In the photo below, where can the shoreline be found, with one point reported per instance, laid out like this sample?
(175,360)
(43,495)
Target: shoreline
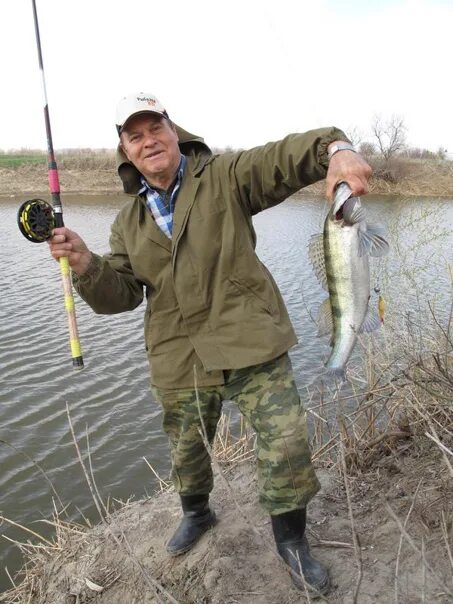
(124,559)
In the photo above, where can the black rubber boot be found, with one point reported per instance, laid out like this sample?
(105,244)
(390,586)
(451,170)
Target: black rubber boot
(198,518)
(292,545)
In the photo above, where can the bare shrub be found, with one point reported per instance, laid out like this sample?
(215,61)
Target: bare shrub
(367,149)
(418,153)
(391,170)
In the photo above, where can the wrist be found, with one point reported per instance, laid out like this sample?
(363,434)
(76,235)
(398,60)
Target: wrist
(85,266)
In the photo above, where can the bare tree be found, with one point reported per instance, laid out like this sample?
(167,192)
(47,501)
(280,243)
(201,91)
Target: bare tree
(390,135)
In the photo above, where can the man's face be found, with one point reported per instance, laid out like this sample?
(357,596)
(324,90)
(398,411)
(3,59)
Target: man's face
(150,142)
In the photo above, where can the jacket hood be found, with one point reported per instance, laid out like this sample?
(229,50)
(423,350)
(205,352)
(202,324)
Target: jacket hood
(189,144)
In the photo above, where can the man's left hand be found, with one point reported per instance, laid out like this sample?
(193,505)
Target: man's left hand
(350,167)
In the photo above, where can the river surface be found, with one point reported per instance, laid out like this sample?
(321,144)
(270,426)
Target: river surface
(110,399)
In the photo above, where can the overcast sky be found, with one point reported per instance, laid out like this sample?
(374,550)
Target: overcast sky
(236,72)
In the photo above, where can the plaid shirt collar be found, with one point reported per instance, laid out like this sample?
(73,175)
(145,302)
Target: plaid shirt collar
(162,203)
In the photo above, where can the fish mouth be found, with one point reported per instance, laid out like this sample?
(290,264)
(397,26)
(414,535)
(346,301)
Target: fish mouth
(339,215)
(342,194)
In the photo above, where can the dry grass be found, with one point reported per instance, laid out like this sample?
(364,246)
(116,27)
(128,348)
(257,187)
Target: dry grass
(396,428)
(87,159)
(415,177)
(229,448)
(412,412)
(398,412)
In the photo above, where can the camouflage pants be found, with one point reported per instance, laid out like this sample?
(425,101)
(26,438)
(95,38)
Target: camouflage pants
(267,396)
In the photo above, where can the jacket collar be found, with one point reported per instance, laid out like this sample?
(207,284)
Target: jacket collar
(189,144)
(185,201)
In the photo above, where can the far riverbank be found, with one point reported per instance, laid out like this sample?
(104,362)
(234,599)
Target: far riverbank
(87,175)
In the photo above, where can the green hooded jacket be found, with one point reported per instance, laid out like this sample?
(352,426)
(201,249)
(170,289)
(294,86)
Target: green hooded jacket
(211,304)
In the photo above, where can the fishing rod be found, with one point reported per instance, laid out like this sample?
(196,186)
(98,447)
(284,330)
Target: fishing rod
(37,218)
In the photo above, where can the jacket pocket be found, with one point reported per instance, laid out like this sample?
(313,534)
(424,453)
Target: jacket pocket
(246,290)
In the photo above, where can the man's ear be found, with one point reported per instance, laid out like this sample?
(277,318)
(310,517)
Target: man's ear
(173,127)
(123,149)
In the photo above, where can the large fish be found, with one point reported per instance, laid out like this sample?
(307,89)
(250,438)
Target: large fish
(340,258)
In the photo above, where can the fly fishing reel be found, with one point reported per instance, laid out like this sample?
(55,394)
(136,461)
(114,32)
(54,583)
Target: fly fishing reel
(36,220)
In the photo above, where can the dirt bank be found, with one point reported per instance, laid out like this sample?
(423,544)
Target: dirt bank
(427,180)
(32,179)
(236,562)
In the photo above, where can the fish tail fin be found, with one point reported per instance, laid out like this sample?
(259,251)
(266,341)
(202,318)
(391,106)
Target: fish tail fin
(336,373)
(372,241)
(335,370)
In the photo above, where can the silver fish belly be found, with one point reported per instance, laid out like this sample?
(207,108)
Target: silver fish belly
(348,280)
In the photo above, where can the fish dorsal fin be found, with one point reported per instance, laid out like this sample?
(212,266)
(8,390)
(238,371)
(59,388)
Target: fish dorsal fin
(372,241)
(316,257)
(353,211)
(325,319)
(371,322)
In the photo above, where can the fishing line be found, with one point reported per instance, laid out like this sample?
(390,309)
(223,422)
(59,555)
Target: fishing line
(37,218)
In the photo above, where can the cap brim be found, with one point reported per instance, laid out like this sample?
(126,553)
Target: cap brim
(159,113)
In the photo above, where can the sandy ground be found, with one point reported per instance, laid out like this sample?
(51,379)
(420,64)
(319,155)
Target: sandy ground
(235,562)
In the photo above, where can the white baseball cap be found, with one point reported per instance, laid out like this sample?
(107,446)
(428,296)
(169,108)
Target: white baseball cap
(135,103)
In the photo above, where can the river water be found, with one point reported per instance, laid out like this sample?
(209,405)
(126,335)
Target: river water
(110,399)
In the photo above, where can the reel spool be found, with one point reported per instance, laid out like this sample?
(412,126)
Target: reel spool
(36,220)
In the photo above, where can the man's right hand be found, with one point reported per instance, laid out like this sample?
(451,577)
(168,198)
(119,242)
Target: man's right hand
(65,242)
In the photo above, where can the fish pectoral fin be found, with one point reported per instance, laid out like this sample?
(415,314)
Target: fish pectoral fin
(372,241)
(371,322)
(316,257)
(325,319)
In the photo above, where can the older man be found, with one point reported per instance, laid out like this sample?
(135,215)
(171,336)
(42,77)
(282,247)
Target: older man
(214,314)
